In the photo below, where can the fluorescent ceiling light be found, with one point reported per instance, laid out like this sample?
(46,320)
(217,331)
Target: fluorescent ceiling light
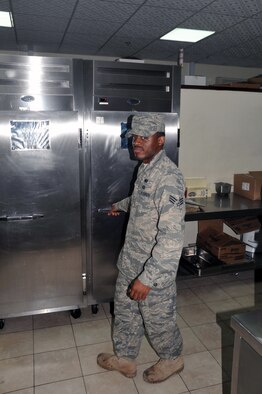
(6,19)
(187,35)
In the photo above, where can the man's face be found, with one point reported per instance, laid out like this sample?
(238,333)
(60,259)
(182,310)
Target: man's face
(145,148)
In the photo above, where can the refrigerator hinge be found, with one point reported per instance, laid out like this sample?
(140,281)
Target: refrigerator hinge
(80,141)
(178,138)
(84,282)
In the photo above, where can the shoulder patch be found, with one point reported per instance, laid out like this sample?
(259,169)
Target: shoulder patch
(175,201)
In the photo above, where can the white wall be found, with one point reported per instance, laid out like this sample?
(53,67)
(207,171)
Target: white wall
(221,134)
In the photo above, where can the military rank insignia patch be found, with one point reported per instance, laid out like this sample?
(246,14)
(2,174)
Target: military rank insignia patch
(175,201)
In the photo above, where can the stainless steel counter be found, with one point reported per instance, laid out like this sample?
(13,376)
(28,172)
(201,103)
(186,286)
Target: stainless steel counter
(247,358)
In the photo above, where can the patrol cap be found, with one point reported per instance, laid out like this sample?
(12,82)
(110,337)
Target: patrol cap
(146,125)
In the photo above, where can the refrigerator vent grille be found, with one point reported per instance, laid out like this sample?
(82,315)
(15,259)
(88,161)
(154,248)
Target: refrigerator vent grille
(130,71)
(151,85)
(159,88)
(35,75)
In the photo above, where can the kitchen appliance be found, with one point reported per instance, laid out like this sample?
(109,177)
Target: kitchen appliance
(40,212)
(115,92)
(64,159)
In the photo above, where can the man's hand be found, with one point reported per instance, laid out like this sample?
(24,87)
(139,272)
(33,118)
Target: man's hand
(114,211)
(137,291)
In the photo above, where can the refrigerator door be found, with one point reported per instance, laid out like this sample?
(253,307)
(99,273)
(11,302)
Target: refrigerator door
(113,172)
(40,239)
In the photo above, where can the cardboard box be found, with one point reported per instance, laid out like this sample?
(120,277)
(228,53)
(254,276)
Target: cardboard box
(226,248)
(256,79)
(247,228)
(240,85)
(256,174)
(243,225)
(248,185)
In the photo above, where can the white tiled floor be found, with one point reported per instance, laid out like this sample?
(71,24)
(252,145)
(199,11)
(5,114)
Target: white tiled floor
(56,354)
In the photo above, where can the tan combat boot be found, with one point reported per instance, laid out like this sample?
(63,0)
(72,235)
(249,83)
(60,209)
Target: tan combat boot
(163,369)
(113,363)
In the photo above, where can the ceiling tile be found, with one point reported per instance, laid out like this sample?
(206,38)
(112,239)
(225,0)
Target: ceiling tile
(161,50)
(244,8)
(144,22)
(104,10)
(125,1)
(8,39)
(117,51)
(81,26)
(122,46)
(4,5)
(214,22)
(178,4)
(63,8)
(44,23)
(82,43)
(35,36)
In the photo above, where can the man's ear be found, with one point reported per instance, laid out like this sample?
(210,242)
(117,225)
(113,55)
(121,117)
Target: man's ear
(161,141)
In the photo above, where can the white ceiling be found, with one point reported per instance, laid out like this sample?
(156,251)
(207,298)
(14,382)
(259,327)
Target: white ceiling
(132,28)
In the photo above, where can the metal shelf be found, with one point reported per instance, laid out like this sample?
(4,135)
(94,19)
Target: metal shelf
(215,207)
(233,206)
(206,264)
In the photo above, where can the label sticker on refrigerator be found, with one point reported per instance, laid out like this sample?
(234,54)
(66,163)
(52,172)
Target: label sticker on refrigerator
(30,134)
(100,120)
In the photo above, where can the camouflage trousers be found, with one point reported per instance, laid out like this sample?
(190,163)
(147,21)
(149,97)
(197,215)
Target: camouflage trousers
(155,317)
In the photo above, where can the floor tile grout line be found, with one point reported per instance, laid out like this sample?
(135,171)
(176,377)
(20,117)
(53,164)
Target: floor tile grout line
(203,301)
(226,300)
(135,386)
(78,356)
(222,369)
(181,377)
(33,333)
(199,341)
(57,381)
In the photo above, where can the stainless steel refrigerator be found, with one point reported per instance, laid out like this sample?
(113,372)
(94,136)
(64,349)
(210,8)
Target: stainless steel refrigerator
(112,174)
(64,159)
(40,230)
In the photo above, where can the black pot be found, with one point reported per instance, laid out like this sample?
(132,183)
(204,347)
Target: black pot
(223,189)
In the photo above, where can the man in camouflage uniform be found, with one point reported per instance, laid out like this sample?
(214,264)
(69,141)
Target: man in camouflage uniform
(145,297)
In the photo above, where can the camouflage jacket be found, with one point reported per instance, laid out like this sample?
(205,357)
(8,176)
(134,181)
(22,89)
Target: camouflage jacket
(154,236)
